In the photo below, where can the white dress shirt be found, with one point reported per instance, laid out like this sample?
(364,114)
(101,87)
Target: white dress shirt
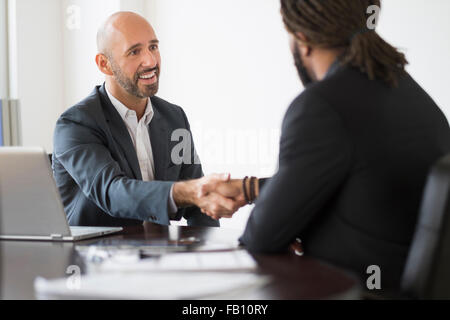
(139,134)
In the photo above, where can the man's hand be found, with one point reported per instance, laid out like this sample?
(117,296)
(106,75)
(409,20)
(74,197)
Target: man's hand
(231,189)
(228,188)
(201,192)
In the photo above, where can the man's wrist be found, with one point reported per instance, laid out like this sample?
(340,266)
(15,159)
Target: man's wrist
(172,208)
(250,188)
(185,193)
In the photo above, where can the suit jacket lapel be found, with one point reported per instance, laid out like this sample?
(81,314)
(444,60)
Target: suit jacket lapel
(159,138)
(120,133)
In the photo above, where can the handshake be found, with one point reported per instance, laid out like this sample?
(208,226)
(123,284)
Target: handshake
(216,195)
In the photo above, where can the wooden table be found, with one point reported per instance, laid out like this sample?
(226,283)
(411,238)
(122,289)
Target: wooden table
(293,277)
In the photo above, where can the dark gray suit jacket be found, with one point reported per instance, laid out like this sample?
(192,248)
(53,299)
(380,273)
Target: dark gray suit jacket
(97,171)
(354,156)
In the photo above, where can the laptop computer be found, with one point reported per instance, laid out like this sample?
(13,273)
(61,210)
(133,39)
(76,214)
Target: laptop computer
(30,204)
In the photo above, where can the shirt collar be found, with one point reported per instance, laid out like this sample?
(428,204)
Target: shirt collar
(335,66)
(124,111)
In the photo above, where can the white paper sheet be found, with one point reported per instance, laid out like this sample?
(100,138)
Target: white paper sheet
(153,285)
(236,260)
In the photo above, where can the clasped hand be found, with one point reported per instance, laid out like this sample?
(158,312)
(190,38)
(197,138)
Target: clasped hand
(220,196)
(216,195)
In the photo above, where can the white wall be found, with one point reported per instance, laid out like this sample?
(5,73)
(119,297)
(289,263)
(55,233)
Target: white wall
(4,78)
(421,28)
(227,63)
(52,59)
(36,65)
(81,19)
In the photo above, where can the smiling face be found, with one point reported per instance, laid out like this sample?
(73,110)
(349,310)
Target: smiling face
(130,50)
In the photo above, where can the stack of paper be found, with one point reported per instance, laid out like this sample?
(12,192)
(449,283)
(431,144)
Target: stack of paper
(237,260)
(193,275)
(153,285)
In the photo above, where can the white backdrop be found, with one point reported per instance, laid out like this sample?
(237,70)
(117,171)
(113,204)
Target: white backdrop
(226,62)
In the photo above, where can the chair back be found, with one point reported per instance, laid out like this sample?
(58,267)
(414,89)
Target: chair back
(427,269)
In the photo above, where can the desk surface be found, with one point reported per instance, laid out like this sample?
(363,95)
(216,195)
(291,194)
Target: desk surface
(293,277)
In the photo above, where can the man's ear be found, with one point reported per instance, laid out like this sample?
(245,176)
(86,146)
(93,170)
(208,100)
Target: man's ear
(302,43)
(103,64)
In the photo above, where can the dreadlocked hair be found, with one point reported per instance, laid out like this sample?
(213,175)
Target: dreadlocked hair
(342,24)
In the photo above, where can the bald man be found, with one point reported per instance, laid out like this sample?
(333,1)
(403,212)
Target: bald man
(113,160)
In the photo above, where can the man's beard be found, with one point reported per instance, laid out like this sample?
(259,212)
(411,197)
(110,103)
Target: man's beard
(301,69)
(131,85)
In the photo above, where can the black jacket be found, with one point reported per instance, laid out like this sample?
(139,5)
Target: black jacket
(354,156)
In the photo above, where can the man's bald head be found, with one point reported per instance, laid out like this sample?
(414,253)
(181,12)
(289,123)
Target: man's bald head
(116,26)
(128,54)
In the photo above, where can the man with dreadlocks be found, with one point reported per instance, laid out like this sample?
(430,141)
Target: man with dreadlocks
(355,149)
